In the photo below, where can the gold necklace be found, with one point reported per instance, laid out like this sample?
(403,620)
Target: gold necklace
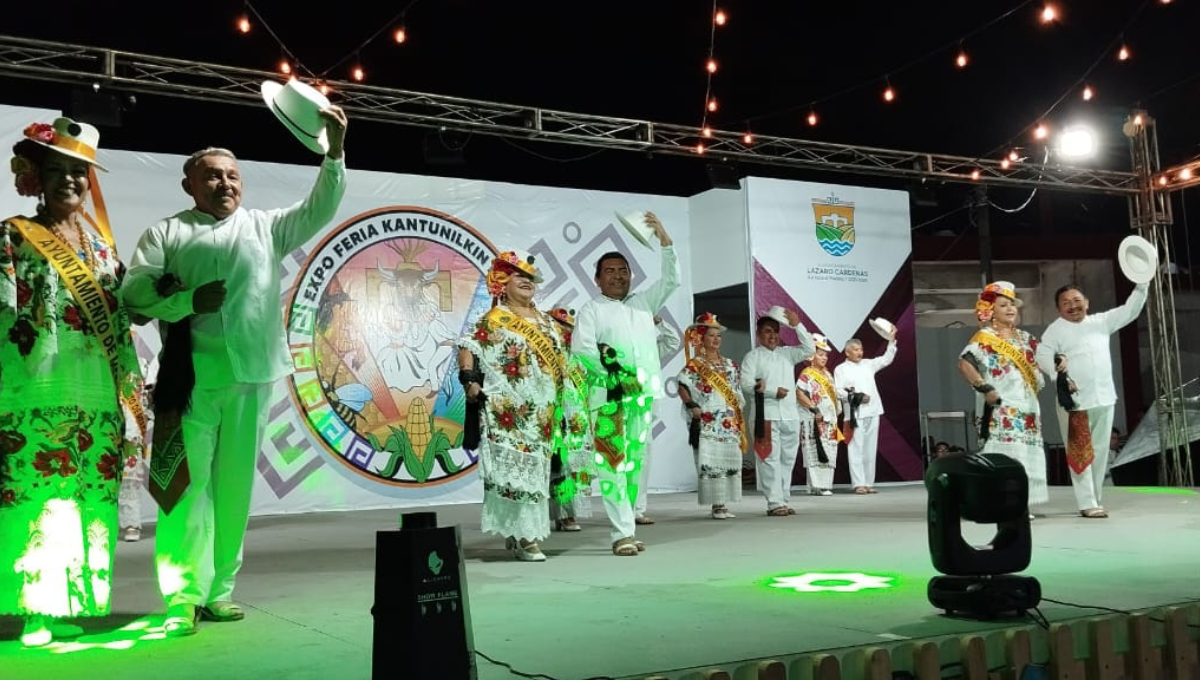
(85,244)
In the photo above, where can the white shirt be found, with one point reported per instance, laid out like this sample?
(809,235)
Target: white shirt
(861,376)
(243,342)
(1089,354)
(628,327)
(776,368)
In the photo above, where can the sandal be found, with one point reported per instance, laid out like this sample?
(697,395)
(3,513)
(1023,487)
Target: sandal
(861,491)
(567,525)
(221,612)
(781,511)
(181,620)
(626,547)
(1094,513)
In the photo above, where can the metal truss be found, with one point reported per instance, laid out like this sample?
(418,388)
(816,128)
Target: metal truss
(1150,215)
(130,72)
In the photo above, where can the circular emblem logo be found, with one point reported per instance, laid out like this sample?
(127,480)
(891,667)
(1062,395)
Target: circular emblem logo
(373,326)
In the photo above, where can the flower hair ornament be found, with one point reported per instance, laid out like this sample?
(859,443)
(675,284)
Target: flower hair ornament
(695,333)
(505,265)
(985,306)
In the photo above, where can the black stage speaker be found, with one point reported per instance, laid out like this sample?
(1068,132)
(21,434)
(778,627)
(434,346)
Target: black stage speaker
(987,488)
(422,618)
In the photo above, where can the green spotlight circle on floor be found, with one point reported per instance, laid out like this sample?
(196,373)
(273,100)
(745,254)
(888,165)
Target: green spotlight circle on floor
(837,582)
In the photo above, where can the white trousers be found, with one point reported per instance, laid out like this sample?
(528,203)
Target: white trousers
(1090,484)
(198,546)
(129,498)
(862,450)
(643,495)
(775,472)
(620,489)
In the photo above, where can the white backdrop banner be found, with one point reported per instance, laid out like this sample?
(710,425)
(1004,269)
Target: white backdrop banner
(841,255)
(373,415)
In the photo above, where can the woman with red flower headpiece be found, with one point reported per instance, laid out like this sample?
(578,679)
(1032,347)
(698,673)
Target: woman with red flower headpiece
(999,365)
(512,366)
(67,362)
(712,404)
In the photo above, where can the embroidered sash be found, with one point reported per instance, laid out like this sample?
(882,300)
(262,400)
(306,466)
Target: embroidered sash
(830,393)
(541,345)
(1016,356)
(93,304)
(718,382)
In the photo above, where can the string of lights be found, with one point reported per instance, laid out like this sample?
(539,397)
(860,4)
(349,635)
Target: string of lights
(290,64)
(718,18)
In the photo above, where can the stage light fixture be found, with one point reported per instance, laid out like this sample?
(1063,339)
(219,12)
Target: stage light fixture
(1076,142)
(422,617)
(981,582)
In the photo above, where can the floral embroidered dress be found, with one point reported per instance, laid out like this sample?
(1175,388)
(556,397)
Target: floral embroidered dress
(820,474)
(571,485)
(61,436)
(523,420)
(719,455)
(1015,428)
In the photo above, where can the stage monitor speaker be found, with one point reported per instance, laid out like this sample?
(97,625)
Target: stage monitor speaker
(422,617)
(987,488)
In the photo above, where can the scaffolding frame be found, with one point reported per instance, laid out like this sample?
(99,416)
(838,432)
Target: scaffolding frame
(1149,202)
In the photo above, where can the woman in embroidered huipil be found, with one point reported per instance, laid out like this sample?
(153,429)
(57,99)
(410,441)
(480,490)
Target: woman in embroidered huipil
(515,358)
(61,421)
(712,403)
(999,365)
(819,406)
(574,465)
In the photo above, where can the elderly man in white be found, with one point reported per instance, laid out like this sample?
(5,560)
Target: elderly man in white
(181,270)
(857,375)
(771,370)
(625,322)
(1078,343)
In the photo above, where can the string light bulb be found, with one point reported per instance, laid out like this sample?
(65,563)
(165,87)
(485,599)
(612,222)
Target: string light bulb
(961,59)
(812,118)
(720,17)
(712,104)
(1014,156)
(243,24)
(323,88)
(1049,14)
(284,67)
(1123,53)
(889,94)
(1186,173)
(711,66)
(975,174)
(1163,180)
(1005,163)
(706,132)
(358,74)
(1041,131)
(748,139)
(700,148)
(400,36)
(1088,93)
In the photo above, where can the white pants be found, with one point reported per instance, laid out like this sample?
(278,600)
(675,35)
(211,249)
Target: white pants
(129,498)
(198,546)
(775,472)
(861,452)
(1090,484)
(643,495)
(621,489)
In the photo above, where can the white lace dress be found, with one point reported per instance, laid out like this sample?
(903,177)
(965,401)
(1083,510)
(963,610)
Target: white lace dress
(522,424)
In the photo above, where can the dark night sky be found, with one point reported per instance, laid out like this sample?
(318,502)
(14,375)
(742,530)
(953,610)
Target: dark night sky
(645,59)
